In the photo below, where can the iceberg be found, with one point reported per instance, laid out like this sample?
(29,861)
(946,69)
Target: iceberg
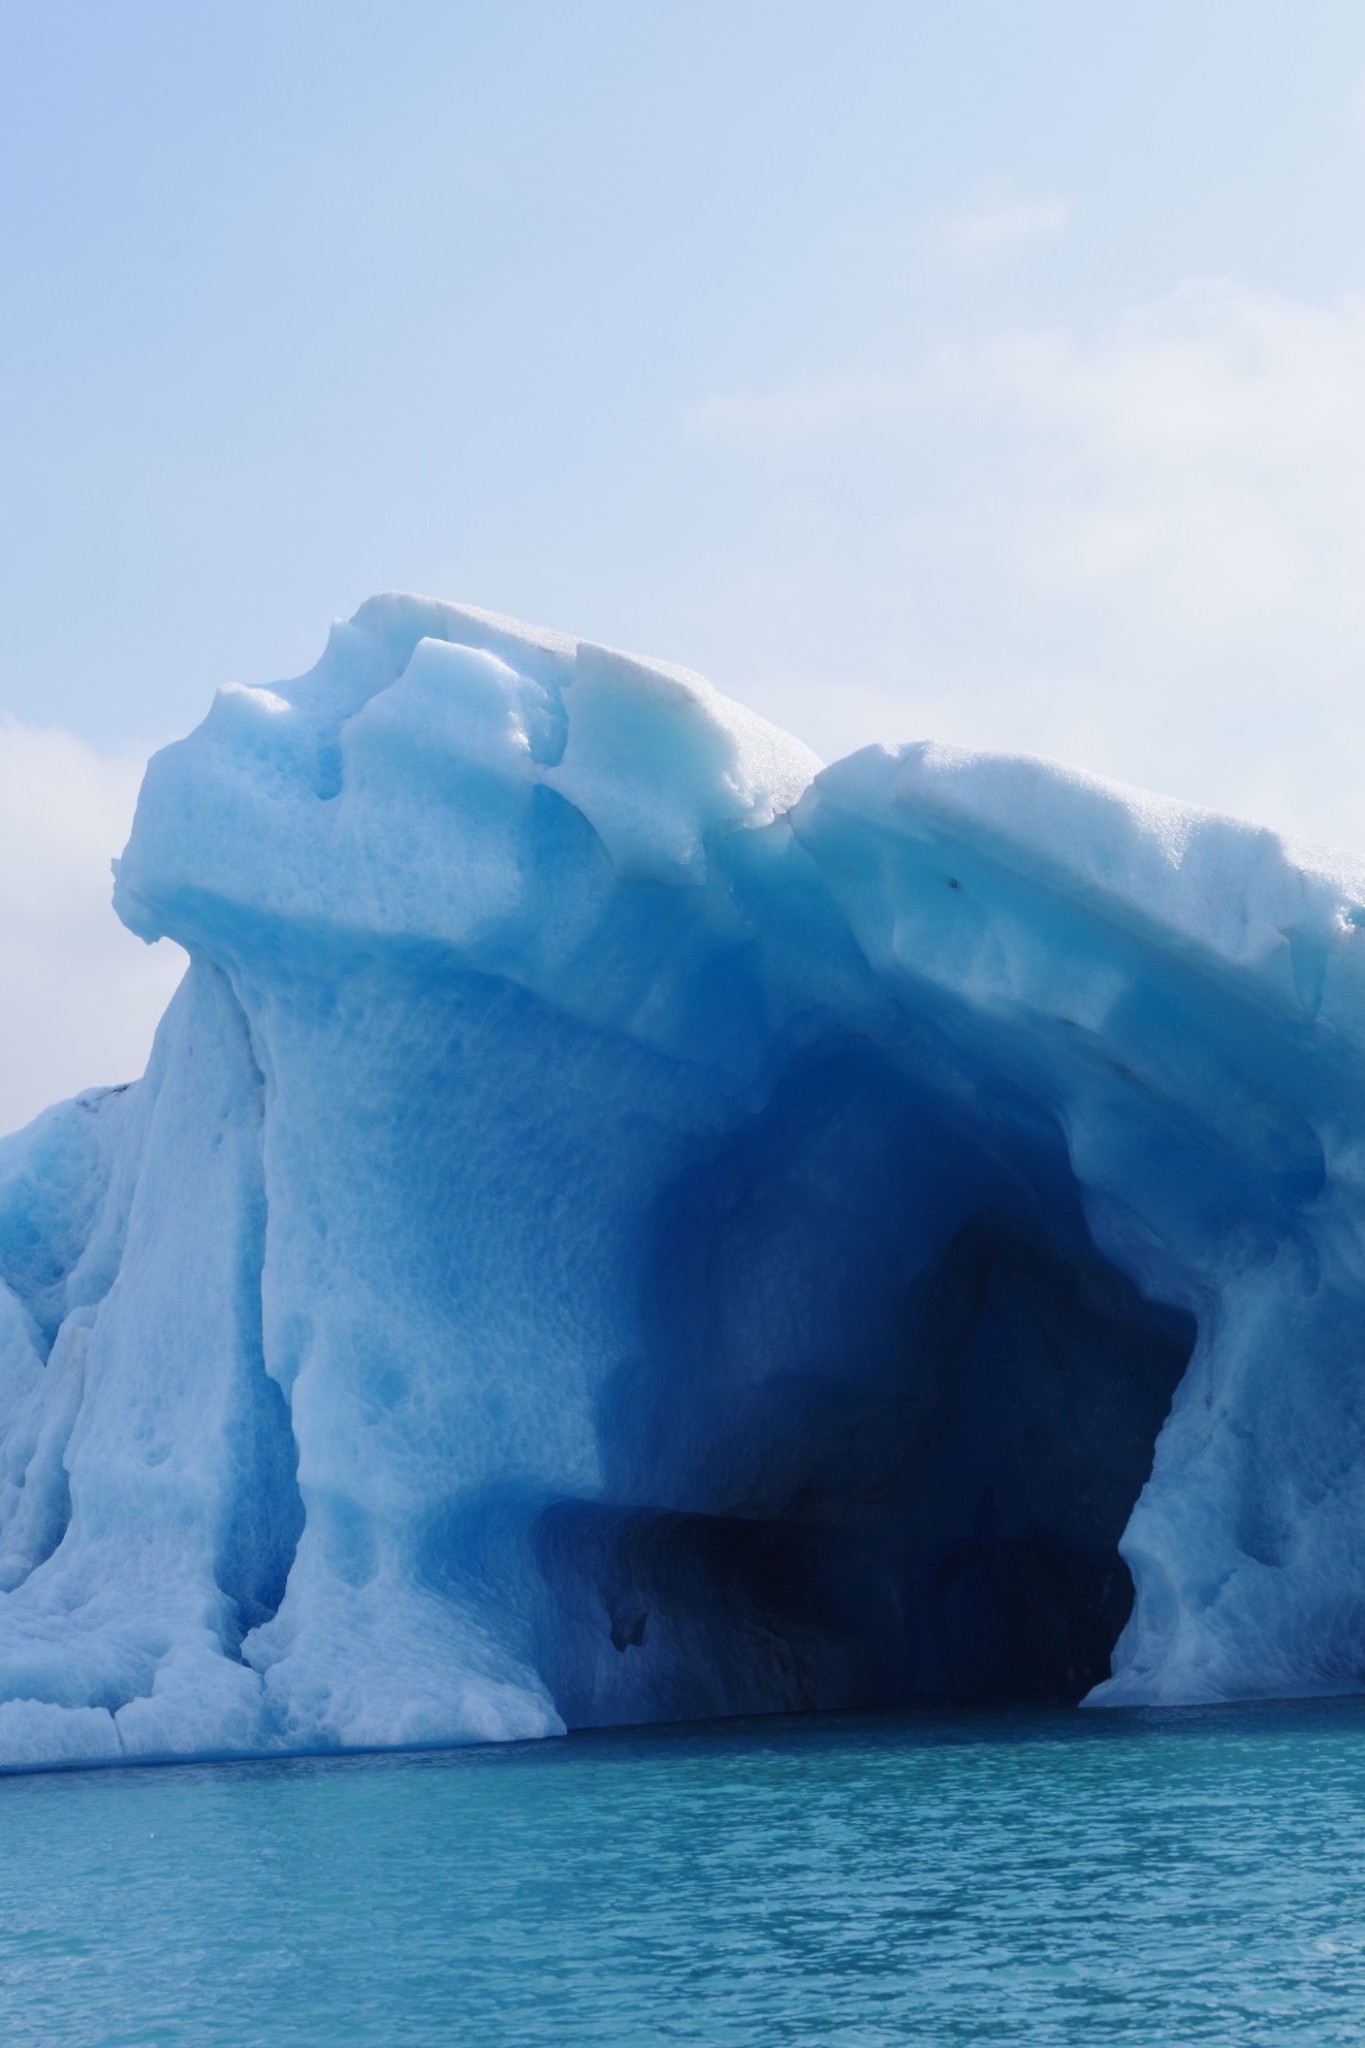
(621,1224)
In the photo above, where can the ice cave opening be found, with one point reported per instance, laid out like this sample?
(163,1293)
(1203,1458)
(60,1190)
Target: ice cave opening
(892,1418)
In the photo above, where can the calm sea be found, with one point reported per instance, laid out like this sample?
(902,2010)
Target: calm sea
(1019,1878)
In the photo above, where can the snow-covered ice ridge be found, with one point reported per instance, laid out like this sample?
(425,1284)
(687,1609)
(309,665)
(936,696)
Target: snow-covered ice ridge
(619,1225)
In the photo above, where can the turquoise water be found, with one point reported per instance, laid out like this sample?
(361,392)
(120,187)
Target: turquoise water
(1030,1878)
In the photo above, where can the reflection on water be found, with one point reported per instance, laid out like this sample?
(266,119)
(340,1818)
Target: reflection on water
(925,1878)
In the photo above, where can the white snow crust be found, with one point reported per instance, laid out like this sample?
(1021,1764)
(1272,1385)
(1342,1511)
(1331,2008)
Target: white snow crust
(620,1224)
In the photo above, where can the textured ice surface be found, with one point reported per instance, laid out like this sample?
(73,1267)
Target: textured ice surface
(618,1225)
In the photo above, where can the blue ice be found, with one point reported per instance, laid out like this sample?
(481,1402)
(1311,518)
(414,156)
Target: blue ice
(623,1224)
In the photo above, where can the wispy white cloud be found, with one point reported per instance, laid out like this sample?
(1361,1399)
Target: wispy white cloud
(1140,546)
(1000,223)
(79,996)
(1206,454)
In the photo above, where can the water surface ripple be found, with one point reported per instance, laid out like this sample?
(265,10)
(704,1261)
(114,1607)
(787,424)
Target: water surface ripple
(930,1878)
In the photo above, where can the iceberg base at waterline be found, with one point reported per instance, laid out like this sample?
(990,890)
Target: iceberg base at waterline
(621,1224)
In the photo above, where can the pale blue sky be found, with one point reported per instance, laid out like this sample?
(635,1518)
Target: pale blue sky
(989,371)
(309,300)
